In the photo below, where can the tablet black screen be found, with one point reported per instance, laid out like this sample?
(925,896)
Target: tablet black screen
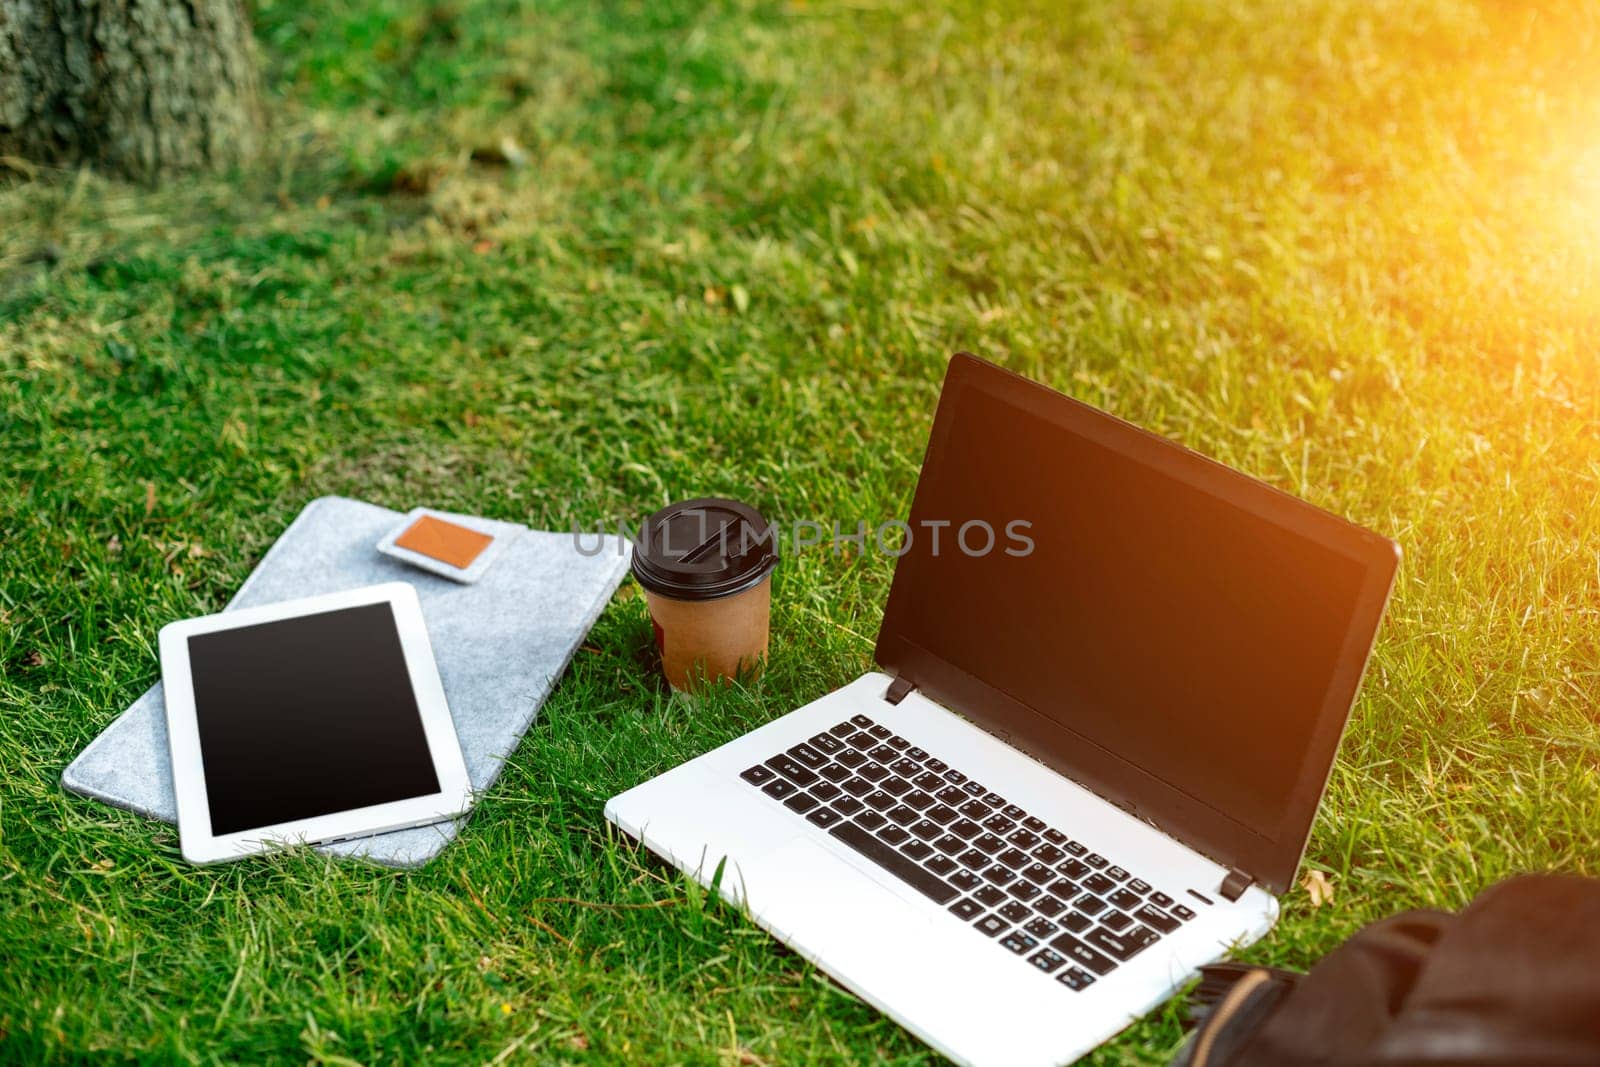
(307,716)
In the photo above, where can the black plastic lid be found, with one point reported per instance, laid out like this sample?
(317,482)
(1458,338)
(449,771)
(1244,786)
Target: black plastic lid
(704,549)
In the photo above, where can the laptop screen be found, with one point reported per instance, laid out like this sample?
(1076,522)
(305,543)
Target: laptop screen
(1130,609)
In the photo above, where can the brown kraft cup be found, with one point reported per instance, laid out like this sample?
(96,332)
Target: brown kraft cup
(706,569)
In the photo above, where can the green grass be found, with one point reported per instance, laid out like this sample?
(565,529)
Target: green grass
(1348,247)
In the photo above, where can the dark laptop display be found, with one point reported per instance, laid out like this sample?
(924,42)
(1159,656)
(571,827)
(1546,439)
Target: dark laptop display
(1179,637)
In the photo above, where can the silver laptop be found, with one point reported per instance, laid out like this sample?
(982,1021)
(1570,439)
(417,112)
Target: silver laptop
(1092,756)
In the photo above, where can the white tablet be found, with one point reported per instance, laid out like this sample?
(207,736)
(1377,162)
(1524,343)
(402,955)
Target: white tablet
(309,721)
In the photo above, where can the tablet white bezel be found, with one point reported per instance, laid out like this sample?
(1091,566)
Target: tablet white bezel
(199,844)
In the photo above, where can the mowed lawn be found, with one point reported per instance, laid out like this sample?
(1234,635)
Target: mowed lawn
(563,262)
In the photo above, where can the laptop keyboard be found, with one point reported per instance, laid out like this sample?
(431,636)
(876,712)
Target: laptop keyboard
(1072,913)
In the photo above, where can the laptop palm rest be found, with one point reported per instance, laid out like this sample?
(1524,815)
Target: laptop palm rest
(803,881)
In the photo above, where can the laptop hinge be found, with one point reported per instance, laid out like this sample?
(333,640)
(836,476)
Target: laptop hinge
(899,689)
(1234,885)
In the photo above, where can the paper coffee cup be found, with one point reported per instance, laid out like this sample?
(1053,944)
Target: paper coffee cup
(706,568)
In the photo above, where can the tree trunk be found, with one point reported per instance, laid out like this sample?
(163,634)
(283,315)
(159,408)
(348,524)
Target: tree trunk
(138,88)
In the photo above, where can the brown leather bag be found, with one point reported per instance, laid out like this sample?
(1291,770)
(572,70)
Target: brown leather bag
(1512,979)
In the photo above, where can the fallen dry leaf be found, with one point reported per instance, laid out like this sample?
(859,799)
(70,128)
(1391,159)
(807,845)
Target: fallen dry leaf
(1318,887)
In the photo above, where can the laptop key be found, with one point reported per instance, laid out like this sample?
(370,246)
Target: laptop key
(837,773)
(994,800)
(1035,825)
(871,820)
(950,844)
(973,789)
(954,777)
(1182,912)
(896,787)
(824,790)
(1074,949)
(780,788)
(894,835)
(939,813)
(905,767)
(1139,886)
(1098,883)
(1153,916)
(966,909)
(1161,900)
(1014,813)
(975,809)
(801,802)
(1075,979)
(883,754)
(1095,860)
(1054,836)
(824,817)
(1123,946)
(1019,942)
(965,881)
(1000,876)
(1015,912)
(1038,874)
(928,783)
(1073,869)
(858,787)
(1076,921)
(808,755)
(760,774)
(989,896)
(851,758)
(937,766)
(916,753)
(990,925)
(1065,888)
(917,850)
(951,795)
(1024,839)
(862,721)
(908,871)
(1117,921)
(1091,905)
(872,772)
(848,805)
(966,828)
(1124,899)
(882,733)
(989,843)
(844,729)
(898,743)
(1016,859)
(878,800)
(940,865)
(826,743)
(998,824)
(975,859)
(1077,848)
(1047,960)
(1116,874)
(926,830)
(862,741)
(1041,928)
(1049,906)
(1024,890)
(792,769)
(903,816)
(1048,854)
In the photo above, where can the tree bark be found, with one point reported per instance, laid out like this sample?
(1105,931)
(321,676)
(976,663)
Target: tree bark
(138,88)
